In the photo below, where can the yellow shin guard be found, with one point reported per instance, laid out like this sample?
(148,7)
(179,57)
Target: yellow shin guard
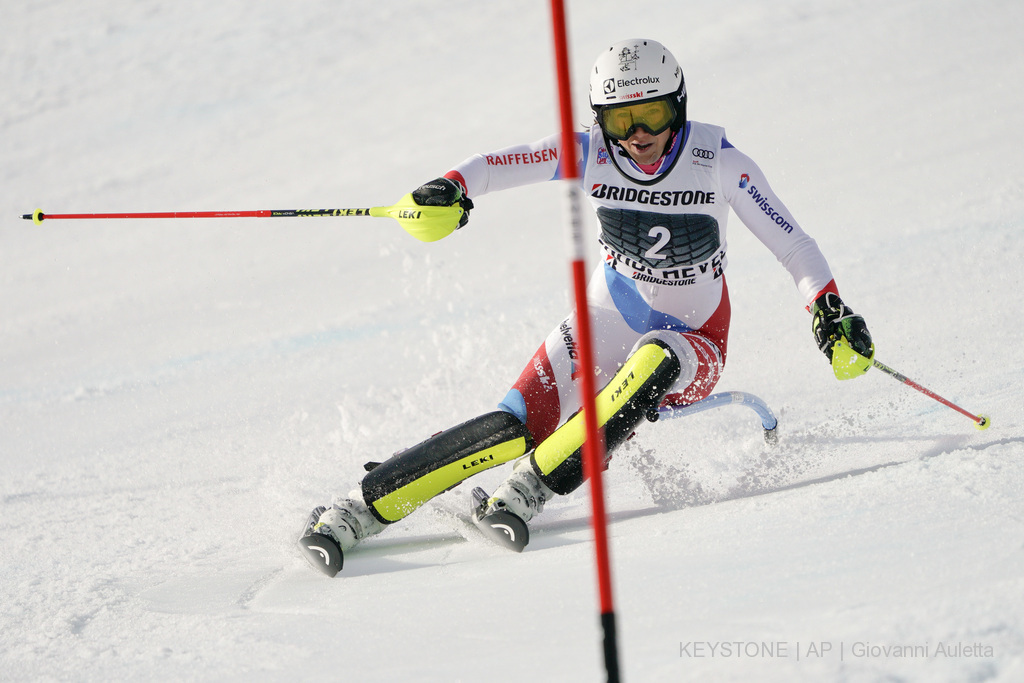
(401,484)
(636,389)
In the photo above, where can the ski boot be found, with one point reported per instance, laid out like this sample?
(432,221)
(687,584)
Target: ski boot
(330,531)
(502,517)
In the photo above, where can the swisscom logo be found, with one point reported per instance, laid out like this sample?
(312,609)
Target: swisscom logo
(744,179)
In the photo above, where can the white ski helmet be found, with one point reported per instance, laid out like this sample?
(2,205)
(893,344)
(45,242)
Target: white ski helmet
(634,70)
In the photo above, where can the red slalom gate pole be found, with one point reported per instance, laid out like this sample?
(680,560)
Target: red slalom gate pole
(593,446)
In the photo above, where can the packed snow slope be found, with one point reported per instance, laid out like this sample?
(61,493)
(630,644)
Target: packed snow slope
(175,396)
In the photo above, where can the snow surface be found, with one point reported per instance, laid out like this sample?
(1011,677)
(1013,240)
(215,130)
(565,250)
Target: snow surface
(175,396)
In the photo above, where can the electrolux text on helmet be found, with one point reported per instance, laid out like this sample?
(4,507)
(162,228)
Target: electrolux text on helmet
(630,82)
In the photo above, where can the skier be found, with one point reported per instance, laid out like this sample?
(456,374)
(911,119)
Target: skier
(662,187)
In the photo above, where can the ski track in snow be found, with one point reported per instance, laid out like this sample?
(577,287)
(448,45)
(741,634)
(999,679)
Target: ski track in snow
(176,396)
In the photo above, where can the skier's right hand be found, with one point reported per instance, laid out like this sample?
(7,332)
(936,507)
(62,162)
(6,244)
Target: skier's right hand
(443,192)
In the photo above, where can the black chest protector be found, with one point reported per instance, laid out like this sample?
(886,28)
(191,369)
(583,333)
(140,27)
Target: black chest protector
(660,240)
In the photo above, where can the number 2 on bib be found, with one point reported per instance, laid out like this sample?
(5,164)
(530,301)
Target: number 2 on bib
(662,236)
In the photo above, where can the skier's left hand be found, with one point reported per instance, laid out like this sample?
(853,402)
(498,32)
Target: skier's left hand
(833,320)
(443,192)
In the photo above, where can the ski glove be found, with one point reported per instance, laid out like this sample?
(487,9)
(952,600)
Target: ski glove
(443,192)
(833,320)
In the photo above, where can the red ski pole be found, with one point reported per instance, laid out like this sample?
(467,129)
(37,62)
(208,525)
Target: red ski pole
(593,446)
(38,216)
(847,364)
(980,421)
(425,223)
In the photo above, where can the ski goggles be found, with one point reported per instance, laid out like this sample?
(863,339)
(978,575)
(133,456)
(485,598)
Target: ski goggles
(622,120)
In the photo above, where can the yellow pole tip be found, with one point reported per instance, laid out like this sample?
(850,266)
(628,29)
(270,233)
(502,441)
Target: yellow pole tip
(983,423)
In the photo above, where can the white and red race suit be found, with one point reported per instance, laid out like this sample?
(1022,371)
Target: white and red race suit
(662,231)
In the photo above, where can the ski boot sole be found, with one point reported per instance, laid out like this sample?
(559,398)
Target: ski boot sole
(502,527)
(323,553)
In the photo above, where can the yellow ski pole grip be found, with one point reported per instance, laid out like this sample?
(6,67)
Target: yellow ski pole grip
(847,363)
(425,223)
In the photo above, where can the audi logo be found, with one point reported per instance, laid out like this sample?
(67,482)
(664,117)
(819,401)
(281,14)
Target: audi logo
(703,153)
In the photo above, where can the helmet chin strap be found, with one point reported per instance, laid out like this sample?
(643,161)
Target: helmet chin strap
(616,147)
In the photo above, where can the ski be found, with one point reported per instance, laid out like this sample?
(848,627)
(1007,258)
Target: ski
(501,527)
(322,551)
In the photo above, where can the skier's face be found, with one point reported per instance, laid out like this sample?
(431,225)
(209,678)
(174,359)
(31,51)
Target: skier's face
(645,148)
